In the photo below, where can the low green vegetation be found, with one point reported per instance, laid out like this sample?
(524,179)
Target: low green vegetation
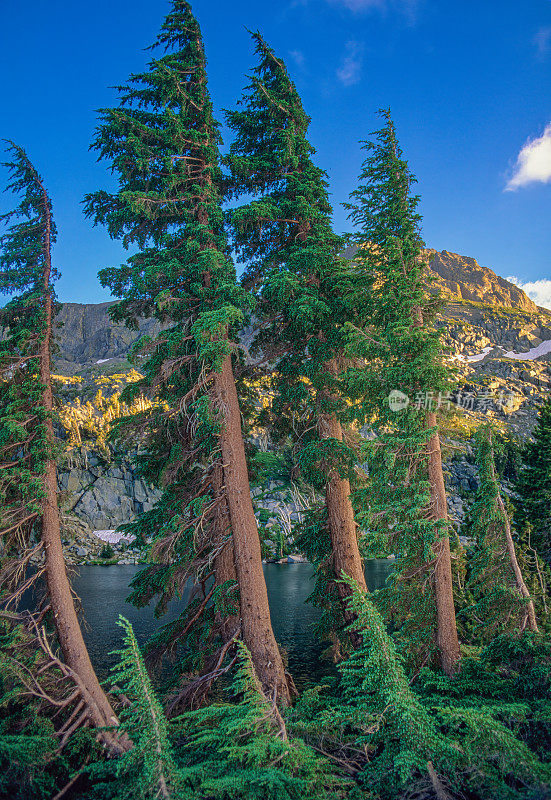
(441,687)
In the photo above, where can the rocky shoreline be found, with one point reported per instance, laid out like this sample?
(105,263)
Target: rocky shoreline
(498,340)
(277,509)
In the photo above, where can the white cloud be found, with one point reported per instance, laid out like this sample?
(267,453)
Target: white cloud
(542,40)
(350,69)
(538,291)
(533,162)
(408,8)
(381,5)
(298,57)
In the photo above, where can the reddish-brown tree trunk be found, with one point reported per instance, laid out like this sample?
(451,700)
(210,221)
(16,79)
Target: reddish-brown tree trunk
(530,619)
(224,564)
(224,570)
(531,622)
(446,631)
(256,626)
(449,654)
(345,553)
(65,617)
(253,596)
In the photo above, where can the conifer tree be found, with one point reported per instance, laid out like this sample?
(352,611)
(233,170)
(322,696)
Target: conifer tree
(285,237)
(454,741)
(162,141)
(236,749)
(28,474)
(375,676)
(406,498)
(533,486)
(503,602)
(149,769)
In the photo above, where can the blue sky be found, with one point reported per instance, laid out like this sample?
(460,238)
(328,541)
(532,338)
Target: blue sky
(468,83)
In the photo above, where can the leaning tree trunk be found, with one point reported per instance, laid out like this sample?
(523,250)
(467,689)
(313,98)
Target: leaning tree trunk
(446,631)
(256,626)
(253,596)
(530,618)
(69,634)
(345,553)
(447,641)
(224,563)
(531,622)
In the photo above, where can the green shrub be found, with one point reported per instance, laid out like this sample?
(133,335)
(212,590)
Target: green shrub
(107,552)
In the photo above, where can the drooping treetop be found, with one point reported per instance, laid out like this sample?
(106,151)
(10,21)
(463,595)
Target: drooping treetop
(285,237)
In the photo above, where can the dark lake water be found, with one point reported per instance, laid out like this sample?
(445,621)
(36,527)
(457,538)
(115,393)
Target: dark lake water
(103,592)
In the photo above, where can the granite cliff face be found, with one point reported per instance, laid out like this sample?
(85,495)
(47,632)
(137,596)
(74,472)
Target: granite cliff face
(86,335)
(498,340)
(462,278)
(105,492)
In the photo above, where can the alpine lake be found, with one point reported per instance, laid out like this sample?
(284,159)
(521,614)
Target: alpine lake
(103,592)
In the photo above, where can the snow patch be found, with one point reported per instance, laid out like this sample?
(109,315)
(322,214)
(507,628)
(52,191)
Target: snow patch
(536,352)
(111,536)
(103,361)
(479,356)
(542,349)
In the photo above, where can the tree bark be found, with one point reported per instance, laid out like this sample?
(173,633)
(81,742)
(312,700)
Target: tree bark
(224,570)
(253,596)
(449,654)
(530,619)
(256,624)
(519,580)
(224,563)
(345,552)
(446,632)
(65,617)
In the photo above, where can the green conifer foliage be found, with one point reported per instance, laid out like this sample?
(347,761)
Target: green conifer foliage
(28,472)
(284,235)
(533,486)
(27,741)
(498,712)
(474,735)
(502,601)
(25,447)
(41,741)
(241,750)
(162,141)
(404,504)
(374,677)
(149,769)
(225,751)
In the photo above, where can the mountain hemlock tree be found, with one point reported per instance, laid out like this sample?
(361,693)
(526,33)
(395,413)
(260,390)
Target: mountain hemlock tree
(28,474)
(149,770)
(162,141)
(406,497)
(533,486)
(189,524)
(229,750)
(438,736)
(503,602)
(286,238)
(375,674)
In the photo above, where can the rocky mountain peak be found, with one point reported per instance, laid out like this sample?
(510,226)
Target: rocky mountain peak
(462,278)
(86,334)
